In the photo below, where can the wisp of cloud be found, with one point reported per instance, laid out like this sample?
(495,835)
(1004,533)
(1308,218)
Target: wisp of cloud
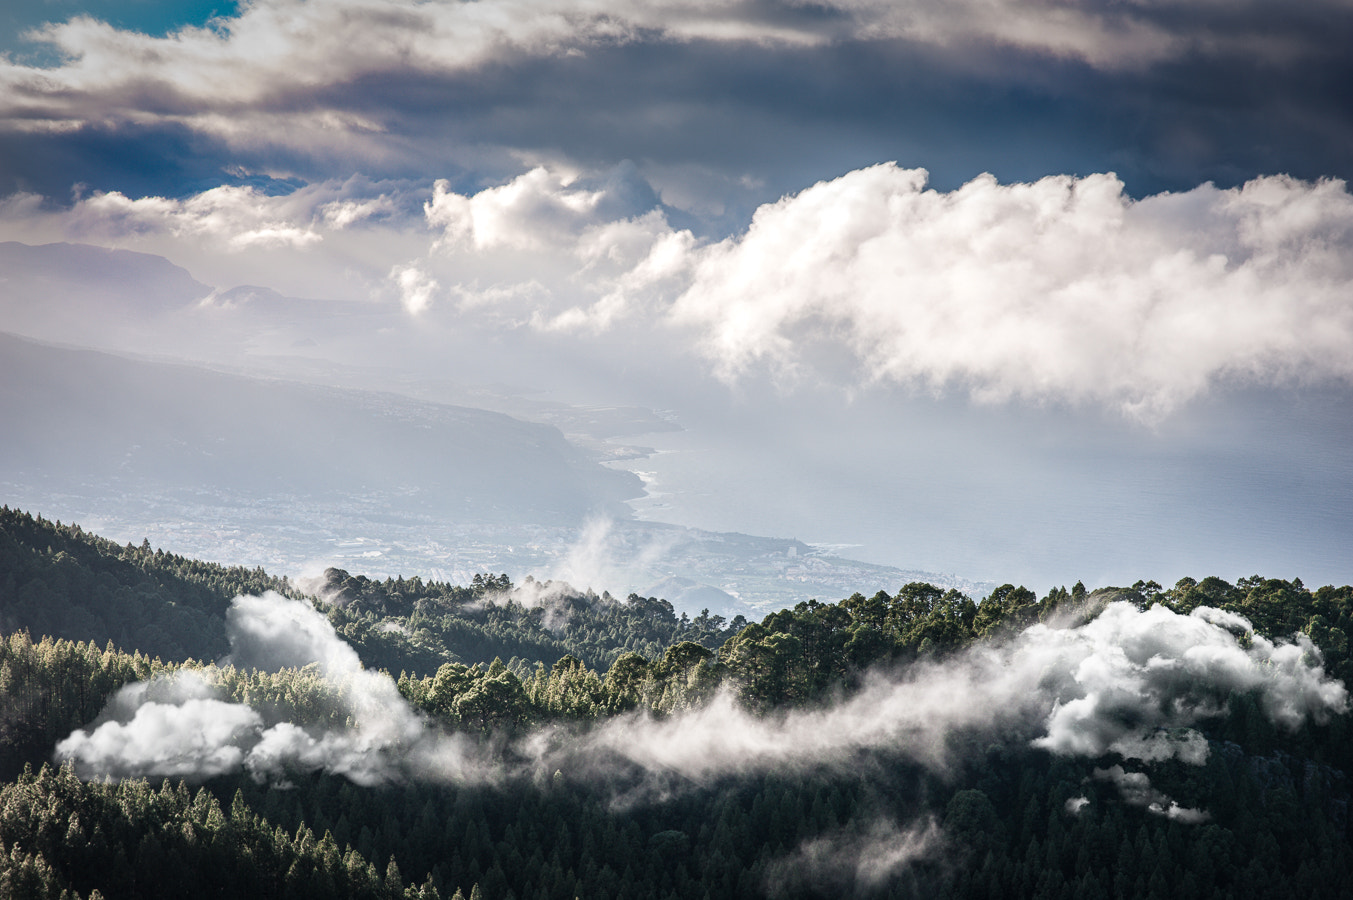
(1128,683)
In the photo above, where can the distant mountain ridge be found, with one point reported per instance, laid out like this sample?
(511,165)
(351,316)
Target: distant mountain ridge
(79,417)
(151,282)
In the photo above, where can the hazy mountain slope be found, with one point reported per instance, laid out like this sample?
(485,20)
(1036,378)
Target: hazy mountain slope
(82,274)
(94,296)
(320,439)
(83,417)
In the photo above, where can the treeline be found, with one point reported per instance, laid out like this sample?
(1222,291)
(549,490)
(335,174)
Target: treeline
(1279,818)
(1276,832)
(814,651)
(413,625)
(799,654)
(51,687)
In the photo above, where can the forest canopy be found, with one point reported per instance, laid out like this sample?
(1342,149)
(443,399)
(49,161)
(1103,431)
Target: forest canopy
(410,738)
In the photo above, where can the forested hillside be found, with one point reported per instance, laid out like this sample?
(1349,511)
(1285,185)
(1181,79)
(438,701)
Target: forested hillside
(1130,742)
(61,581)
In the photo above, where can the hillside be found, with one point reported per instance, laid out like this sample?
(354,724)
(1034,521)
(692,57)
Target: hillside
(1132,742)
(62,581)
(86,422)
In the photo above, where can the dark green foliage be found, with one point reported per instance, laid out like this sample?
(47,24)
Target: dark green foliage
(1279,823)
(1006,828)
(807,652)
(1011,837)
(415,626)
(50,688)
(494,701)
(130,840)
(61,581)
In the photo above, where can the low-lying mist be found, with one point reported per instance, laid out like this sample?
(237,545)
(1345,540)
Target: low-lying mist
(1129,687)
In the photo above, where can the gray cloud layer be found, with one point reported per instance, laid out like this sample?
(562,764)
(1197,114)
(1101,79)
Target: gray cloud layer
(699,92)
(272,48)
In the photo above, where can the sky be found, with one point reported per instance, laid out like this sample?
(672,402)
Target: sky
(1025,291)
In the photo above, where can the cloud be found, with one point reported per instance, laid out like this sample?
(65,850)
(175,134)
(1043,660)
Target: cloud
(606,224)
(591,560)
(274,47)
(234,217)
(268,74)
(180,725)
(270,633)
(1136,790)
(231,218)
(346,79)
(1129,682)
(169,726)
(417,289)
(537,210)
(1063,289)
(561,253)
(853,862)
(600,555)
(340,214)
(337,239)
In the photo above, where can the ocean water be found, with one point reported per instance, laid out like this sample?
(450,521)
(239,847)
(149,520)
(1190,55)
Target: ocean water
(1240,483)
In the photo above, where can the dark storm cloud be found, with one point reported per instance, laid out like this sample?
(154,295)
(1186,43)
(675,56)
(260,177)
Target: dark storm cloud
(772,96)
(795,115)
(165,159)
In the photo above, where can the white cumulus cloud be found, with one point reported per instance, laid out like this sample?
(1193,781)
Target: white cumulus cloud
(234,218)
(180,725)
(1063,289)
